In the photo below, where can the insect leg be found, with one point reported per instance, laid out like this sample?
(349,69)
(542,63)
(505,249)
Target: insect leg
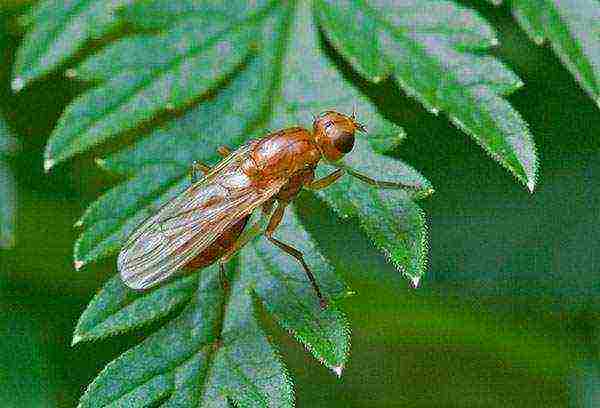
(325,181)
(224,151)
(198,167)
(377,183)
(223,276)
(273,224)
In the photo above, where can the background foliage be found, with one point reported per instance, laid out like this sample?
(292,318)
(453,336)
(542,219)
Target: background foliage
(479,219)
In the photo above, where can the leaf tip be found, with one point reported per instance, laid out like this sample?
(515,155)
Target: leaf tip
(17,84)
(78,264)
(338,370)
(70,73)
(48,164)
(78,224)
(77,338)
(415,280)
(531,186)
(100,162)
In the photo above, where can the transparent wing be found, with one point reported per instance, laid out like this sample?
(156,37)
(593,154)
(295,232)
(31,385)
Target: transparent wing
(190,222)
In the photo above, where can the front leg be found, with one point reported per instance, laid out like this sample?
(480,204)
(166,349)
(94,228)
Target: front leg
(377,183)
(325,181)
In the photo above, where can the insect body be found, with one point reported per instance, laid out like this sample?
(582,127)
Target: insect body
(208,221)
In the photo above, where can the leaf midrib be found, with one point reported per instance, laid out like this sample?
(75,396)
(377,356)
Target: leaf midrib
(220,338)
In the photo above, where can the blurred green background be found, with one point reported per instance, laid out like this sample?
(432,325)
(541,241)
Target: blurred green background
(508,314)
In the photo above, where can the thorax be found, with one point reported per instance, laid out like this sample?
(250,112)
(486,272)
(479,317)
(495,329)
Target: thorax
(287,153)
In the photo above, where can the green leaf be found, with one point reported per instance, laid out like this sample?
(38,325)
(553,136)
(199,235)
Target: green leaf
(242,366)
(161,161)
(213,351)
(8,199)
(572,28)
(434,50)
(59,30)
(282,287)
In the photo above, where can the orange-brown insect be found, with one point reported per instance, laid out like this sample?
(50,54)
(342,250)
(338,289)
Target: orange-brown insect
(207,222)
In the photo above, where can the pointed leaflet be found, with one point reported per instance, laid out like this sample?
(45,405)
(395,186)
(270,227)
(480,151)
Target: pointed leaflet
(433,48)
(60,28)
(117,308)
(390,218)
(573,29)
(8,204)
(312,84)
(147,74)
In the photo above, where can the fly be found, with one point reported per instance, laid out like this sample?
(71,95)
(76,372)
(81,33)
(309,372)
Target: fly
(207,222)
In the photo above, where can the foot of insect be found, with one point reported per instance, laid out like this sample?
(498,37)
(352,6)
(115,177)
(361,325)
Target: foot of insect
(323,303)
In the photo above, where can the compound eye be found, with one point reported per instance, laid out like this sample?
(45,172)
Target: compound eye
(344,142)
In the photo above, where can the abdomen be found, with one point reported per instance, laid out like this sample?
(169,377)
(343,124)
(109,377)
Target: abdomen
(219,247)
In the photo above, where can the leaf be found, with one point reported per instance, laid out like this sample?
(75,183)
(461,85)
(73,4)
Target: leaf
(245,368)
(162,160)
(59,30)
(434,49)
(8,199)
(572,27)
